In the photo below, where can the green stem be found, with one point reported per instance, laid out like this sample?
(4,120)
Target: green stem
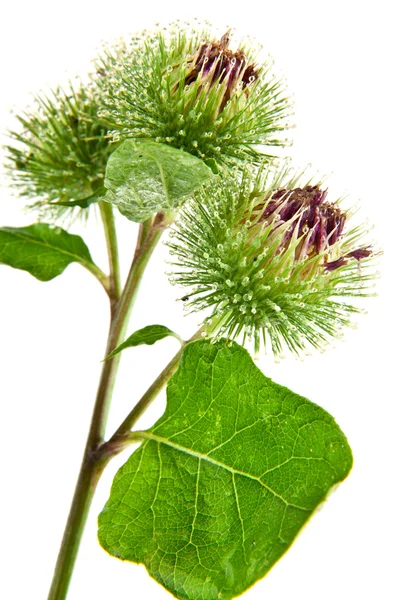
(107,216)
(83,495)
(123,432)
(93,463)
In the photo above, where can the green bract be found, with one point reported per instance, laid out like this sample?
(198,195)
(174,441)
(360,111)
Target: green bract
(59,157)
(271,259)
(225,480)
(190,90)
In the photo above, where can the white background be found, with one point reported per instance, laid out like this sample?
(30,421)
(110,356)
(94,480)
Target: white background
(343,61)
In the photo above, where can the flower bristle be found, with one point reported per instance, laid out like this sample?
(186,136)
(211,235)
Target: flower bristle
(188,89)
(60,152)
(236,265)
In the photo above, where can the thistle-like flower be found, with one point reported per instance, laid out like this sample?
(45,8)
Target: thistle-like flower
(272,258)
(192,91)
(59,156)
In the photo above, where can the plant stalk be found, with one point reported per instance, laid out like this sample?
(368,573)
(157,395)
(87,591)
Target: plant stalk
(107,216)
(93,464)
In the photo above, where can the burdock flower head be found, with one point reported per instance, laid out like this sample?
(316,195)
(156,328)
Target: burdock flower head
(272,259)
(57,157)
(193,91)
(215,62)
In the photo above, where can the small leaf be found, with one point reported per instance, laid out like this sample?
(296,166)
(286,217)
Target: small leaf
(224,481)
(148,335)
(146,177)
(43,250)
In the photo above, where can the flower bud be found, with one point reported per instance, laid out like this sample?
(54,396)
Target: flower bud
(61,152)
(193,91)
(273,260)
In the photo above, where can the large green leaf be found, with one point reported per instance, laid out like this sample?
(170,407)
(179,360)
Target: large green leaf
(147,335)
(224,481)
(43,250)
(144,177)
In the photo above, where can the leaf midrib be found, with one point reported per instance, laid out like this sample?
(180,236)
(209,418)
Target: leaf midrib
(199,455)
(162,176)
(26,237)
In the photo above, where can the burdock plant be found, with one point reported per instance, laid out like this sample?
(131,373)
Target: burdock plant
(177,129)
(272,258)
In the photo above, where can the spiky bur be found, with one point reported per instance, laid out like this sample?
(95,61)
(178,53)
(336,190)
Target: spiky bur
(57,159)
(191,90)
(271,258)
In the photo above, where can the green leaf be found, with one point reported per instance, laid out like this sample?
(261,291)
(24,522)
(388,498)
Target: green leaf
(43,250)
(148,335)
(145,177)
(224,481)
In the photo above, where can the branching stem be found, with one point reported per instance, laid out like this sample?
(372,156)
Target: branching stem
(123,433)
(93,463)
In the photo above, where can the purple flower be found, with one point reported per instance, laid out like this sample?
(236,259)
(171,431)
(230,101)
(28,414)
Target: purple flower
(215,63)
(305,215)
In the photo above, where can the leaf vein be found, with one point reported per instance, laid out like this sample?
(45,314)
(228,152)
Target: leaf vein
(239,514)
(161,440)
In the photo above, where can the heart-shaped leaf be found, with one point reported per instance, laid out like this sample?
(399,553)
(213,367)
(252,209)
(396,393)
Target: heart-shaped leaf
(224,481)
(144,177)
